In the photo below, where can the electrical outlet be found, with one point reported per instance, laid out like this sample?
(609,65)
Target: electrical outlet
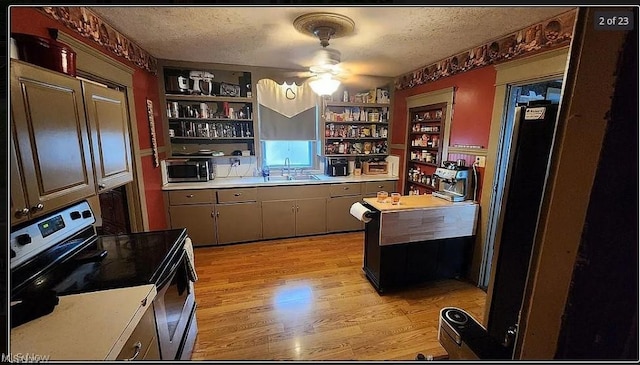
(234,161)
(480,161)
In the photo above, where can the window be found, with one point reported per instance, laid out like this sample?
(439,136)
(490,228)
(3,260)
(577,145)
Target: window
(300,153)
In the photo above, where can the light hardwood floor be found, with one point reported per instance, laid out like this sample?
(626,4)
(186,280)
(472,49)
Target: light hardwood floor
(308,299)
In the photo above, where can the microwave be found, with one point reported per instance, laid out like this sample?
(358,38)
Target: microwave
(187,170)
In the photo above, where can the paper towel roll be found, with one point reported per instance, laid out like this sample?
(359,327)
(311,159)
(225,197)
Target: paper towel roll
(360,211)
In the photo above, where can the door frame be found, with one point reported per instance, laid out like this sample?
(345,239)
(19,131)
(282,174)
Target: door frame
(540,67)
(94,62)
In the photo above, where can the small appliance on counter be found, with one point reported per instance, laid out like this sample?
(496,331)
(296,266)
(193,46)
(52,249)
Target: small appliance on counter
(189,169)
(375,168)
(337,167)
(454,182)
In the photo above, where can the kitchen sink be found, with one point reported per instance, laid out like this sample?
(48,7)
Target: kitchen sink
(302,177)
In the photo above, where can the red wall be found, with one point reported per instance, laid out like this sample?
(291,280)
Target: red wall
(472,109)
(145,85)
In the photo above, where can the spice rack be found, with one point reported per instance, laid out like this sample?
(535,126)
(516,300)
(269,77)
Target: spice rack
(355,129)
(424,147)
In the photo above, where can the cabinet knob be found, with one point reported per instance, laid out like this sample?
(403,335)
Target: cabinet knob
(346,188)
(380,186)
(237,194)
(190,196)
(22,212)
(297,208)
(39,206)
(101,186)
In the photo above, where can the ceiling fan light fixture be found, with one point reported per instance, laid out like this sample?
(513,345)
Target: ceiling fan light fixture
(324,84)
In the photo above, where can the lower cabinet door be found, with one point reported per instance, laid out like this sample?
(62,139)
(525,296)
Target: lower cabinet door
(198,219)
(339,218)
(311,216)
(278,218)
(238,222)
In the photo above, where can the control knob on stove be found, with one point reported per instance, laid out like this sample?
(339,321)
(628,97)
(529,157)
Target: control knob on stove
(13,253)
(86,214)
(23,239)
(75,215)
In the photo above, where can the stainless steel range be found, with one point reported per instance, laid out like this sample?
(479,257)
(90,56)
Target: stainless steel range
(61,254)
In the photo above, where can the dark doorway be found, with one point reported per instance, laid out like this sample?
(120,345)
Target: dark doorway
(115,212)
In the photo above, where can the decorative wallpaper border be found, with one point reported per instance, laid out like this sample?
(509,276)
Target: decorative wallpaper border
(547,35)
(86,23)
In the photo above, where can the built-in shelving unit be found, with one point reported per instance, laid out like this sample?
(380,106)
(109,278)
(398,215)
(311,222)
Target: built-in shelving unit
(424,147)
(355,129)
(209,109)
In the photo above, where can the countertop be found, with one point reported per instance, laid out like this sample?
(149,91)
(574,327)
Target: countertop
(414,202)
(235,182)
(87,326)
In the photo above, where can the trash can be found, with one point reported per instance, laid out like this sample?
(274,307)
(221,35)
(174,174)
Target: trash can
(464,338)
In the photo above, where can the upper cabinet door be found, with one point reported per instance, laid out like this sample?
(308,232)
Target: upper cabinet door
(19,208)
(109,124)
(52,137)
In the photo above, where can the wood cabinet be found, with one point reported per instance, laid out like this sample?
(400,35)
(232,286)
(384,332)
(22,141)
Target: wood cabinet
(371,188)
(278,219)
(198,219)
(109,123)
(52,148)
(240,219)
(208,107)
(289,218)
(339,218)
(216,216)
(355,129)
(424,147)
(143,342)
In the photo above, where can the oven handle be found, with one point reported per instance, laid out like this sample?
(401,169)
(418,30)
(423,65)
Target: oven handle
(168,274)
(137,346)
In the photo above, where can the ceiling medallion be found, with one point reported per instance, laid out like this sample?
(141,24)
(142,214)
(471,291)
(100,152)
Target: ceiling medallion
(325,26)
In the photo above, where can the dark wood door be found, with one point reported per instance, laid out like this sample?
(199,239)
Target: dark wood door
(109,122)
(51,136)
(114,209)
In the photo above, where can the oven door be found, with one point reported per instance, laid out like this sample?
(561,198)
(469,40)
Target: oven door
(173,308)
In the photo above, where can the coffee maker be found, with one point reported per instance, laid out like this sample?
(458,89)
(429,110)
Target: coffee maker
(454,182)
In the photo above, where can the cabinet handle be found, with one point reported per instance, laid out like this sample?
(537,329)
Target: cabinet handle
(380,186)
(22,212)
(39,206)
(101,186)
(190,196)
(237,194)
(293,209)
(137,346)
(217,213)
(297,208)
(346,188)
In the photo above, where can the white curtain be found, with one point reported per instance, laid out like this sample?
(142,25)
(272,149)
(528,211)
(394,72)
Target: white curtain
(286,112)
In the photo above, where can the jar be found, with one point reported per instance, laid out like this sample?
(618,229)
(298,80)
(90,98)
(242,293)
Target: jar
(425,153)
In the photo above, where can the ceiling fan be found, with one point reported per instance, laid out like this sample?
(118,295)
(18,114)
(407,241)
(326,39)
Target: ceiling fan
(325,69)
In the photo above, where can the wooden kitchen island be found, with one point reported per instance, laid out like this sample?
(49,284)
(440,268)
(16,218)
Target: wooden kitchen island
(422,238)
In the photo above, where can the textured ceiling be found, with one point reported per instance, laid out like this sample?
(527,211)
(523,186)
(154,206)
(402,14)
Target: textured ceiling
(387,41)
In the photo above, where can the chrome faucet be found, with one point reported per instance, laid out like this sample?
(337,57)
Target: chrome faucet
(287,165)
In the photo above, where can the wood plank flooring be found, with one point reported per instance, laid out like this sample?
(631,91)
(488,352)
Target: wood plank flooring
(308,299)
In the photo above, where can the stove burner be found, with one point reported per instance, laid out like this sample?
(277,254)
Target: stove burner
(456,316)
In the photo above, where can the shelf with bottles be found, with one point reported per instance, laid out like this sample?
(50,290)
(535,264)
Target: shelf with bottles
(204,129)
(349,148)
(429,114)
(356,131)
(419,177)
(213,111)
(373,113)
(420,189)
